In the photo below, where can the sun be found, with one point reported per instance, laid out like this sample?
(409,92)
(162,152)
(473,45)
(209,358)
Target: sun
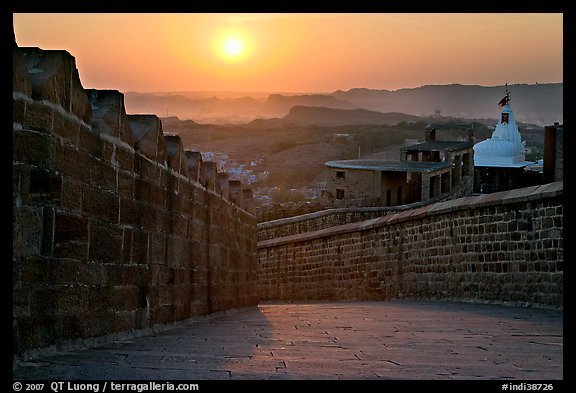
(233,46)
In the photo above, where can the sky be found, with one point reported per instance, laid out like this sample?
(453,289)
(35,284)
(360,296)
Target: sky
(307,52)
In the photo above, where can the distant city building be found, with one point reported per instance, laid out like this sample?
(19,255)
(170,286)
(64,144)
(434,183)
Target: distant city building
(426,171)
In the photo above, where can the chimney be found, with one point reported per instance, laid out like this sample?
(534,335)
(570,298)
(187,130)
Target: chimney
(553,153)
(430,134)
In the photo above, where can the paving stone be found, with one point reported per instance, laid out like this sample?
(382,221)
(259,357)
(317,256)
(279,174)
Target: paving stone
(397,340)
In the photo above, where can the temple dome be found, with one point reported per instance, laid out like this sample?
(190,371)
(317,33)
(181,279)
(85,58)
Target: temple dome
(505,148)
(496,147)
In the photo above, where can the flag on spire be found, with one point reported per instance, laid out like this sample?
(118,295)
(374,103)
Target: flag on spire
(504,100)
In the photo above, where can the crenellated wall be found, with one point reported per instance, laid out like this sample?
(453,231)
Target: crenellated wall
(505,247)
(116,228)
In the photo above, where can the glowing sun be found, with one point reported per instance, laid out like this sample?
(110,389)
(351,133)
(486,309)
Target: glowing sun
(233,47)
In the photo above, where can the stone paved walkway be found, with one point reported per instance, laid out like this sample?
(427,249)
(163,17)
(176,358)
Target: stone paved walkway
(331,341)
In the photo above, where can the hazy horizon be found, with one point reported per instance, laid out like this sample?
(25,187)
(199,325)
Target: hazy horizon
(263,95)
(315,53)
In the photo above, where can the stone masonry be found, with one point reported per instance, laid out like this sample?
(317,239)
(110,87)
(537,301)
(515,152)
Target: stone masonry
(339,216)
(505,248)
(112,230)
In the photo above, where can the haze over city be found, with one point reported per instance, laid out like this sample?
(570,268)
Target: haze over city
(318,52)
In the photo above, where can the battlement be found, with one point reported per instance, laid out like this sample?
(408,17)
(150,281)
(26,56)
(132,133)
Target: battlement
(116,227)
(505,247)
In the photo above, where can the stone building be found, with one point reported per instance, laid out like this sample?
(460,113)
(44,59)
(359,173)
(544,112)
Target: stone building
(426,171)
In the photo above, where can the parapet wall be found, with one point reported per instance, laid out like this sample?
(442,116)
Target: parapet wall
(505,247)
(345,215)
(115,227)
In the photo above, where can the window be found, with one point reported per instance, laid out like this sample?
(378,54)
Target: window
(340,175)
(339,193)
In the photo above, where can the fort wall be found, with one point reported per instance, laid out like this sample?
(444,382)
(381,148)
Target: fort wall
(116,228)
(344,215)
(505,247)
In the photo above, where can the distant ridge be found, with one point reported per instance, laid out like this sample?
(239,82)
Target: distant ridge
(540,104)
(537,103)
(307,115)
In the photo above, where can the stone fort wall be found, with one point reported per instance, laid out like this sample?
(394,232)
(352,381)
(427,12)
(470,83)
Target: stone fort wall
(344,215)
(505,248)
(116,228)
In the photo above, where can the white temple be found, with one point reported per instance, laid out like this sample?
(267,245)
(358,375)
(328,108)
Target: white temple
(505,148)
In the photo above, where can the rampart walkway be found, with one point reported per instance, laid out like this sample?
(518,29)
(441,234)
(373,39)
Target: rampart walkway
(368,340)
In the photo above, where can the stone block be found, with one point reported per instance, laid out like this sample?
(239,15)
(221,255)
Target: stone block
(149,192)
(127,245)
(175,153)
(45,187)
(126,184)
(162,314)
(148,136)
(248,201)
(70,236)
(18,111)
(100,203)
(109,115)
(21,82)
(20,184)
(38,117)
(182,277)
(129,211)
(192,161)
(54,78)
(125,158)
(175,251)
(66,128)
(125,298)
(33,148)
(99,322)
(166,295)
(27,225)
(79,102)
(140,246)
(71,162)
(157,249)
(124,321)
(182,311)
(102,174)
(148,217)
(208,174)
(90,142)
(222,184)
(105,243)
(235,192)
(147,169)
(72,299)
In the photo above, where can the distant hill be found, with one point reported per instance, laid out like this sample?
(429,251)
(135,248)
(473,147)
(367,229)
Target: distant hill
(540,104)
(278,104)
(308,115)
(211,109)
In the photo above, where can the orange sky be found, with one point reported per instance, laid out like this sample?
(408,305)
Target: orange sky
(319,52)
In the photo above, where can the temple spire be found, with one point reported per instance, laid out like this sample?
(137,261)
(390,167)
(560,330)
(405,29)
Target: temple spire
(506,98)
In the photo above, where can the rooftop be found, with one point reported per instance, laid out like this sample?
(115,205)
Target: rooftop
(388,166)
(438,145)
